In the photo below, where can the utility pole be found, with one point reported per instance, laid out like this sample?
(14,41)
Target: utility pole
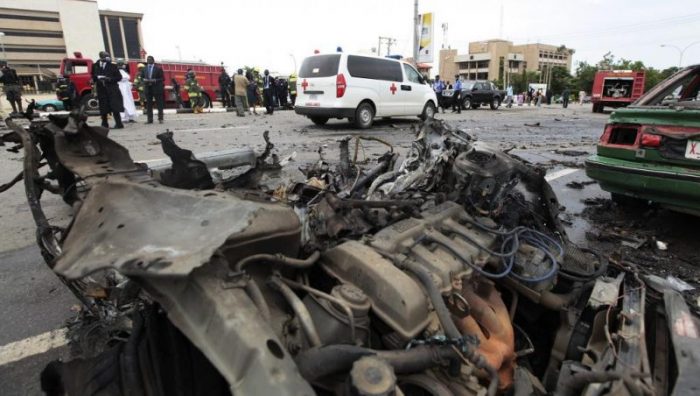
(416,29)
(389,41)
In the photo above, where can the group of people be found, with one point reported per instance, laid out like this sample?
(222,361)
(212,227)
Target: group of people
(439,86)
(252,88)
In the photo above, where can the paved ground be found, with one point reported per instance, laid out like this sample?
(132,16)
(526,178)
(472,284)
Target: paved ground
(33,302)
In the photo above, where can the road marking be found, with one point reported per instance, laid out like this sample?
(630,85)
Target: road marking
(560,173)
(32,346)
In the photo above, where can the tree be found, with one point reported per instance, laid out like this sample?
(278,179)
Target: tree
(585,73)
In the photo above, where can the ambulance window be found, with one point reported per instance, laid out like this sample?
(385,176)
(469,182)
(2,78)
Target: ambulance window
(320,66)
(374,69)
(412,75)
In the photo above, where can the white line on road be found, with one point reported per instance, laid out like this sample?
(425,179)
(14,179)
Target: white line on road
(31,346)
(560,173)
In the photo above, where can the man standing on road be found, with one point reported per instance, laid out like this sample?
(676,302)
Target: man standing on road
(293,88)
(268,92)
(565,97)
(13,87)
(509,96)
(224,88)
(240,92)
(129,113)
(581,97)
(438,87)
(457,104)
(153,87)
(106,77)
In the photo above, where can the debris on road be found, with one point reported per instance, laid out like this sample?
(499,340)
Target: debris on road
(446,270)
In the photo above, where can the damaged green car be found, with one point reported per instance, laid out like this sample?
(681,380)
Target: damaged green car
(650,151)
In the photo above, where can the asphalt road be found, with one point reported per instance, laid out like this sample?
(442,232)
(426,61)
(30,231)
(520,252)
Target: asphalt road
(34,302)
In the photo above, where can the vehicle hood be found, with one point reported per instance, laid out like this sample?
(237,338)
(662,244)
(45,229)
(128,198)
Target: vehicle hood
(657,116)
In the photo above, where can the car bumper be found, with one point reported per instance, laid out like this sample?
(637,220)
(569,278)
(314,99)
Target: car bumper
(329,112)
(670,185)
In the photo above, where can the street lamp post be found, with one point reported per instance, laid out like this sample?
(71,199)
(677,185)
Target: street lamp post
(294,59)
(681,51)
(179,53)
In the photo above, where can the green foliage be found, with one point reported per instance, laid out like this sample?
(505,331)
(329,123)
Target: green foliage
(585,72)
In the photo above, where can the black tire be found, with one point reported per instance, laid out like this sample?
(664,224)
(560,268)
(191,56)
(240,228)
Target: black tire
(495,103)
(429,111)
(90,102)
(320,121)
(364,116)
(467,103)
(49,107)
(205,101)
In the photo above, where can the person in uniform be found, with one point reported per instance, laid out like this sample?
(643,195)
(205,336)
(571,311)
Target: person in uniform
(293,88)
(457,96)
(194,91)
(13,87)
(140,85)
(154,89)
(259,84)
(176,92)
(106,77)
(225,88)
(66,92)
(252,91)
(438,87)
(240,87)
(129,113)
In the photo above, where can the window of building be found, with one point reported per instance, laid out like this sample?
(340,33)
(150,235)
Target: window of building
(104,34)
(115,33)
(131,34)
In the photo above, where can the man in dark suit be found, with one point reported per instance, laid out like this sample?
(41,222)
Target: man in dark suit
(153,78)
(106,76)
(268,92)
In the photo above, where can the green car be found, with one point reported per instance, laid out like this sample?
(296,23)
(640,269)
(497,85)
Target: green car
(650,151)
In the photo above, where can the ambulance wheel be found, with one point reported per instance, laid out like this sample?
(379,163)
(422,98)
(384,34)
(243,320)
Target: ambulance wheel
(428,111)
(320,121)
(364,115)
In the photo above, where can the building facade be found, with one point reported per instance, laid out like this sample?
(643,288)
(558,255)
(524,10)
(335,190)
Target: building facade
(498,60)
(38,34)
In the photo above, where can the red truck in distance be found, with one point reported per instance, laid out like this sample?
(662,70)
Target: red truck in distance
(78,69)
(616,88)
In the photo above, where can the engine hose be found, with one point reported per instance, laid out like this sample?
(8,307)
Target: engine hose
(300,310)
(256,295)
(280,259)
(435,295)
(317,363)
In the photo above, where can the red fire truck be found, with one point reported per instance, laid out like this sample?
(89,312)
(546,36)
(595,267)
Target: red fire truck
(616,88)
(78,69)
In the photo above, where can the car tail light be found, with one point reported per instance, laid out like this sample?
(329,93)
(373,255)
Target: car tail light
(651,140)
(340,86)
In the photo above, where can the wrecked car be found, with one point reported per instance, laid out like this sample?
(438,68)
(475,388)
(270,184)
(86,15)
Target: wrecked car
(446,272)
(650,151)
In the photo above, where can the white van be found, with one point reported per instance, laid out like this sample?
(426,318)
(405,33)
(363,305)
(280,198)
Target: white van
(360,88)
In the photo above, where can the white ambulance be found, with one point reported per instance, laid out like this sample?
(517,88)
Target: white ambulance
(361,88)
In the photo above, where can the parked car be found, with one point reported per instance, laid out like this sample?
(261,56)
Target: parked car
(49,105)
(476,93)
(360,88)
(650,150)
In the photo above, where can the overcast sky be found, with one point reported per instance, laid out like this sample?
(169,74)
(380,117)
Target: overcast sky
(265,32)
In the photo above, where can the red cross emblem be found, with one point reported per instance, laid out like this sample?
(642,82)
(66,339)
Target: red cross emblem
(304,84)
(692,148)
(392,88)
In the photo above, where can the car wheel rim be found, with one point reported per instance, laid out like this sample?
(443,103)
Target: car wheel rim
(365,116)
(429,112)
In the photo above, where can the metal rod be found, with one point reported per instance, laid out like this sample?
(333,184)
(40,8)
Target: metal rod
(302,313)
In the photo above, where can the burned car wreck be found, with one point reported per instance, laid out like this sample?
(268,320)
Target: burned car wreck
(445,273)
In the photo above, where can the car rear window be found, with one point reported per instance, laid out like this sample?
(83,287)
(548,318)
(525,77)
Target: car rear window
(320,66)
(374,69)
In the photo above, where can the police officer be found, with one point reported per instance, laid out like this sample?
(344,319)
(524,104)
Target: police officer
(438,87)
(457,97)
(105,77)
(194,91)
(225,88)
(259,83)
(13,87)
(293,88)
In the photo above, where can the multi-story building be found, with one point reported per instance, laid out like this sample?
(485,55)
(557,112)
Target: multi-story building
(499,59)
(37,34)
